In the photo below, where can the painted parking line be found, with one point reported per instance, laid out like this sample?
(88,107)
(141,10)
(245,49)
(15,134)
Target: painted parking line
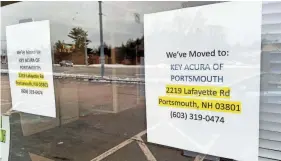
(35,157)
(119,146)
(112,150)
(145,150)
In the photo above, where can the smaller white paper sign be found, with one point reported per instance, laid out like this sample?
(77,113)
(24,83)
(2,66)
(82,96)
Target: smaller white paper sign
(30,68)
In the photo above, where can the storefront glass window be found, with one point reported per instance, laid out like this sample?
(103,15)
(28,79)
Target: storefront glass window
(100,109)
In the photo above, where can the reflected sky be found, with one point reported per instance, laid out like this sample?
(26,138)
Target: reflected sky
(118,20)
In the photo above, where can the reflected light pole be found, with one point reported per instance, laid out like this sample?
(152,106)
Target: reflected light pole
(86,52)
(137,20)
(101,40)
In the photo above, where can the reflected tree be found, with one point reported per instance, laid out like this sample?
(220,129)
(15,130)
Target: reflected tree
(59,45)
(79,37)
(131,49)
(107,50)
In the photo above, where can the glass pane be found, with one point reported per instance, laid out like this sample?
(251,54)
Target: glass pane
(101,109)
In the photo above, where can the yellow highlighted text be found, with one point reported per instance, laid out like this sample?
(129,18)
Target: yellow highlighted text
(32,83)
(31,75)
(198,91)
(201,104)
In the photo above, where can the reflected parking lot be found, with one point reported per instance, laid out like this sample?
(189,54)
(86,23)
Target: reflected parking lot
(91,122)
(125,72)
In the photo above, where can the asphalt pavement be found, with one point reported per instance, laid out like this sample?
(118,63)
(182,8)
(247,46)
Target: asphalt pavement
(97,121)
(90,138)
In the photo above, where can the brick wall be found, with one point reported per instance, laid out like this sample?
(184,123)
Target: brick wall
(77,57)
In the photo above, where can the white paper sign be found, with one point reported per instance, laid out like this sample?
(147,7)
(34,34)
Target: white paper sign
(30,68)
(202,79)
